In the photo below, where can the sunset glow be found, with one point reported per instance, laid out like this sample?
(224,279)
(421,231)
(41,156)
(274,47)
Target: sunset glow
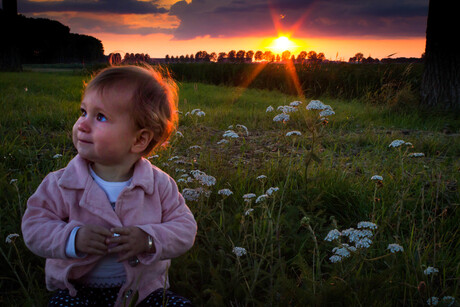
(281,44)
(175,28)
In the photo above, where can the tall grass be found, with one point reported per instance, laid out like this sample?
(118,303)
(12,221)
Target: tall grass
(287,260)
(382,82)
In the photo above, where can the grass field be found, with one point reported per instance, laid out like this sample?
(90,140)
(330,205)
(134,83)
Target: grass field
(320,180)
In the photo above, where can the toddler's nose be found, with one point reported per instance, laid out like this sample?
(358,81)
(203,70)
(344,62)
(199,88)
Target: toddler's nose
(83,125)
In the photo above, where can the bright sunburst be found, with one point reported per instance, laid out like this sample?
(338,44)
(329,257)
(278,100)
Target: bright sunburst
(281,44)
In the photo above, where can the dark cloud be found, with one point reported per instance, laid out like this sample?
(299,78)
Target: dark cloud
(91,25)
(236,18)
(225,18)
(102,6)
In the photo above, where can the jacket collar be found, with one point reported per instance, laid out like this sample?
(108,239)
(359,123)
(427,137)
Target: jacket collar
(76,175)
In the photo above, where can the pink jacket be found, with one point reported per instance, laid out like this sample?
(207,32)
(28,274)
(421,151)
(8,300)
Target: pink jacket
(70,197)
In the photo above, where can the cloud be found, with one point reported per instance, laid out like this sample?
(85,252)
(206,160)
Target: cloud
(226,18)
(241,18)
(101,6)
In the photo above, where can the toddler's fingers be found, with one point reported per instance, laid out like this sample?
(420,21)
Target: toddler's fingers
(120,230)
(102,231)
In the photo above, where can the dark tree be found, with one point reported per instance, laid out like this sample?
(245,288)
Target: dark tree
(285,55)
(441,79)
(259,56)
(240,56)
(231,55)
(249,55)
(301,57)
(213,57)
(222,56)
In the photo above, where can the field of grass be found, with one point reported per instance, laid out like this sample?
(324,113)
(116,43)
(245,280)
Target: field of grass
(321,181)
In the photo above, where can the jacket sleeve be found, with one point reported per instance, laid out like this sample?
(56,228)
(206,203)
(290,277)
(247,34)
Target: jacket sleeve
(176,233)
(45,224)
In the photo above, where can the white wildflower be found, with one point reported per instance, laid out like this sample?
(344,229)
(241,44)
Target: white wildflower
(152,157)
(203,178)
(26,89)
(10,237)
(335,258)
(181,180)
(194,111)
(432,301)
(179,134)
(230,134)
(187,114)
(261,177)
(430,270)
(344,250)
(281,117)
(248,197)
(56,156)
(416,154)
(195,147)
(249,211)
(14,180)
(397,143)
(200,114)
(332,235)
(394,248)
(261,198)
(239,251)
(369,225)
(315,105)
(180,170)
(326,113)
(191,194)
(377,177)
(230,127)
(408,144)
(448,300)
(287,109)
(173,158)
(223,141)
(269,109)
(363,243)
(225,192)
(244,128)
(272,190)
(295,103)
(295,132)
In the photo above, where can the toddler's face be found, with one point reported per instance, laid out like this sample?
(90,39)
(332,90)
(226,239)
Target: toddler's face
(105,131)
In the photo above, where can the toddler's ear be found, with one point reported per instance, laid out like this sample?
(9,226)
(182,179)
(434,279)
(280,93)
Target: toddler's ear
(144,136)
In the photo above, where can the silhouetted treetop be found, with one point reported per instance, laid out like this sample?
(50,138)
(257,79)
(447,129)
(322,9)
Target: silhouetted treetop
(39,40)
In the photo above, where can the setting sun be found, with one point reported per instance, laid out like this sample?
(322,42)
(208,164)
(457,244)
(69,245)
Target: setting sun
(283,43)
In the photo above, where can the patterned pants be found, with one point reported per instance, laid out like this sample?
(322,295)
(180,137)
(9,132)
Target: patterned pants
(99,297)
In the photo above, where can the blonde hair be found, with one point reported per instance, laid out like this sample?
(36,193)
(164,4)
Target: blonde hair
(153,102)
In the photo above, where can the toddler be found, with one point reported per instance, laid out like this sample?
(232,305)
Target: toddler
(109,223)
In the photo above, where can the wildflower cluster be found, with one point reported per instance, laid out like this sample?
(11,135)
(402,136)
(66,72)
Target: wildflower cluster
(361,238)
(239,251)
(196,112)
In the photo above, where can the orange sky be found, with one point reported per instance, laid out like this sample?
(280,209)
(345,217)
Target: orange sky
(339,29)
(335,48)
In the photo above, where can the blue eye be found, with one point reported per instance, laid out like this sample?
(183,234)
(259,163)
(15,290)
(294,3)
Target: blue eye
(101,117)
(83,112)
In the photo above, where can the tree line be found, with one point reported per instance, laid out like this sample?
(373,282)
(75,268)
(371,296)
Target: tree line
(40,40)
(250,56)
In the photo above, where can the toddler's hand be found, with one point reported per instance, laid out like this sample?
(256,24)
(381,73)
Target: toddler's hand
(91,239)
(131,241)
